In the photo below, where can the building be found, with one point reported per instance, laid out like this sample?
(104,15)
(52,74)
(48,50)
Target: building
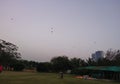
(97,55)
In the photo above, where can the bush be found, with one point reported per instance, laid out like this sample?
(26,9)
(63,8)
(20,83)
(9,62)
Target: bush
(18,67)
(44,67)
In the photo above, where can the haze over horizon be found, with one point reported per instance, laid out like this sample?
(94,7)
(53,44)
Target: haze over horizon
(43,29)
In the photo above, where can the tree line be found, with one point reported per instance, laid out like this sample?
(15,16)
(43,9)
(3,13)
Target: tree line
(10,59)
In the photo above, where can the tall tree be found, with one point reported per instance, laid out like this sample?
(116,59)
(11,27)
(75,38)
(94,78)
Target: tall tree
(60,63)
(90,62)
(113,56)
(75,63)
(44,67)
(8,53)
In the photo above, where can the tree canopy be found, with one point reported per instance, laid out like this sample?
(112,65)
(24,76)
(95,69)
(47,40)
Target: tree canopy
(60,63)
(8,53)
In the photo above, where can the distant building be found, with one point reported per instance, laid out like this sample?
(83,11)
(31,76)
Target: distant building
(97,55)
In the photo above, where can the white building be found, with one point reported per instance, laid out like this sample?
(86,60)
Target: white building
(97,55)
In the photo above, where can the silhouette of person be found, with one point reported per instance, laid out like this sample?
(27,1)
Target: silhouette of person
(61,75)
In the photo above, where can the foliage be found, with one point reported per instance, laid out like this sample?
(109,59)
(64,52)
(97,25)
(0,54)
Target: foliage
(44,67)
(112,54)
(60,63)
(18,66)
(113,57)
(29,64)
(75,62)
(8,53)
(10,58)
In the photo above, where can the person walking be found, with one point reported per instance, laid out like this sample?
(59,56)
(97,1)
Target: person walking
(61,75)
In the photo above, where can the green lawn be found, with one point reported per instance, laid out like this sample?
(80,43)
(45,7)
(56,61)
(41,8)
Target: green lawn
(44,78)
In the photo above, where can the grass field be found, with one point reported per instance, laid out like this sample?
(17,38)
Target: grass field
(44,78)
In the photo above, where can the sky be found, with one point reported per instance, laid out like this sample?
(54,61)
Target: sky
(43,29)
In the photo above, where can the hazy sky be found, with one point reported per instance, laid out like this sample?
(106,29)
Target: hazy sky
(43,29)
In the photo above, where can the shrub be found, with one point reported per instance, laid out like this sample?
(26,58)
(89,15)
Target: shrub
(18,67)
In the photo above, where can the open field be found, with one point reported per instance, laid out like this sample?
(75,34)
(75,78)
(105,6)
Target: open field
(44,78)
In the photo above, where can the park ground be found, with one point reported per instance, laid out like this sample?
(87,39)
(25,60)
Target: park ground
(45,78)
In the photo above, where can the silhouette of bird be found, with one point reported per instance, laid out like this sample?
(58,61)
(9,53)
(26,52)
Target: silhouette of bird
(11,19)
(51,30)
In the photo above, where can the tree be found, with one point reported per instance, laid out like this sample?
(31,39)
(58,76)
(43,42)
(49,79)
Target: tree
(117,57)
(90,62)
(8,53)
(44,67)
(60,63)
(75,63)
(110,54)
(113,56)
(112,59)
(18,66)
